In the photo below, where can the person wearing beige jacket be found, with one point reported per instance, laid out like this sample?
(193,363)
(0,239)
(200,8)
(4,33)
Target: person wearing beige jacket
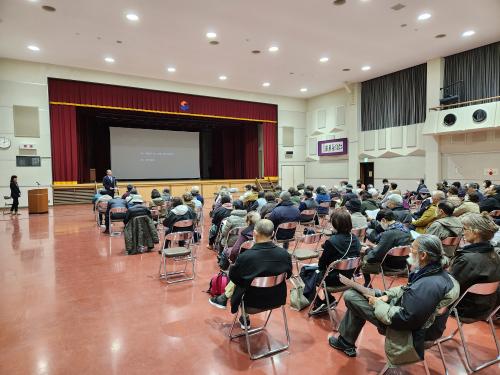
(468,206)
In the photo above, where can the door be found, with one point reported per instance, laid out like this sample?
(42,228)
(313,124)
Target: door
(292,175)
(367,173)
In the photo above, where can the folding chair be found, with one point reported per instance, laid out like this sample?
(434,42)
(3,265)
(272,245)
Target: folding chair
(495,214)
(177,254)
(299,255)
(450,245)
(307,218)
(182,226)
(483,289)
(231,234)
(349,264)
(286,226)
(260,282)
(246,246)
(112,211)
(360,233)
(100,209)
(398,251)
(7,205)
(324,216)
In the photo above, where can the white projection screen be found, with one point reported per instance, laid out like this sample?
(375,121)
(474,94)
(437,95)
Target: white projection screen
(141,154)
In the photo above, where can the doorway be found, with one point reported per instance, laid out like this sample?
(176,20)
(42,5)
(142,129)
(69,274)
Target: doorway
(367,173)
(292,175)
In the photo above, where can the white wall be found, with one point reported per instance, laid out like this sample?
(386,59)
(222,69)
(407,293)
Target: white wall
(25,83)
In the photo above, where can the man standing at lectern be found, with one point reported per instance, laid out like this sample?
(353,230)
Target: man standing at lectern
(109,183)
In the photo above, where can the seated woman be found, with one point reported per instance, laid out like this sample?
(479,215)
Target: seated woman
(156,198)
(341,245)
(178,212)
(245,235)
(235,220)
(321,197)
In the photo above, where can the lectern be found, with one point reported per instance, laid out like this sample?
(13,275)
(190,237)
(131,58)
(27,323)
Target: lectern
(38,201)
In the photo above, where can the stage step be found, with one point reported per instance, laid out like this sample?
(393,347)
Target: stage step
(264,184)
(73,196)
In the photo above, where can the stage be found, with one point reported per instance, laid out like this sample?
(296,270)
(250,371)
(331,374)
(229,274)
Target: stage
(82,193)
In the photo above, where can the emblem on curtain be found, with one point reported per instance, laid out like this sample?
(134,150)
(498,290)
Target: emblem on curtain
(184,105)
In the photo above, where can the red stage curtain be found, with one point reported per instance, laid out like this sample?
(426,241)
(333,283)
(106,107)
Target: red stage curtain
(88,93)
(270,144)
(251,152)
(64,141)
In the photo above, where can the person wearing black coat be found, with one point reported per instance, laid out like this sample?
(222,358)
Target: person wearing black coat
(134,211)
(476,263)
(492,202)
(218,215)
(15,193)
(341,245)
(109,183)
(284,212)
(114,203)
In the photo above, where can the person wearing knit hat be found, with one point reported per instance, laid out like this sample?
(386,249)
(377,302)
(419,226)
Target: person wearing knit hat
(358,219)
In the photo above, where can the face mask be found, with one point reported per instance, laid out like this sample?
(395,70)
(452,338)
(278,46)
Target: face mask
(413,261)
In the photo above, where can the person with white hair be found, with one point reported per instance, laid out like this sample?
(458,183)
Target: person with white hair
(429,214)
(195,192)
(395,204)
(369,201)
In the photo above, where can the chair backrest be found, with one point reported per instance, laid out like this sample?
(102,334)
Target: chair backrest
(233,232)
(484,288)
(311,238)
(268,281)
(183,224)
(359,232)
(117,210)
(399,251)
(286,226)
(345,264)
(310,212)
(495,213)
(325,204)
(102,206)
(290,225)
(247,245)
(179,236)
(451,241)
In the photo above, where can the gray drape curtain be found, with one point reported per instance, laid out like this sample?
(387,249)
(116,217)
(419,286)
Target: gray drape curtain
(395,99)
(478,68)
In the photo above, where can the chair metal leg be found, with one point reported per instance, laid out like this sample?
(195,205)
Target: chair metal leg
(328,306)
(383,277)
(438,343)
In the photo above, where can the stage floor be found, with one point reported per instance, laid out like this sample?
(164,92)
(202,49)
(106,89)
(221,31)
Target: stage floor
(73,303)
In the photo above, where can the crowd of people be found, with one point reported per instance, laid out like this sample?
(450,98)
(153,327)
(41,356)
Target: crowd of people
(356,221)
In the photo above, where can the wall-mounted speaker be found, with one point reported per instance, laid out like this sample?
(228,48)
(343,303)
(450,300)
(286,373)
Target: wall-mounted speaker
(479,115)
(289,154)
(450,119)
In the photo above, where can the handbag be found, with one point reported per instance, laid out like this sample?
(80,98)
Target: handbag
(297,299)
(310,275)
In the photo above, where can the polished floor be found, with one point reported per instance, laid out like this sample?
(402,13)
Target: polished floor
(71,302)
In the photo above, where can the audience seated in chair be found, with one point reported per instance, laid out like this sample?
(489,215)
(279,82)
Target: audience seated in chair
(187,198)
(235,220)
(476,263)
(491,201)
(134,198)
(259,203)
(271,202)
(246,234)
(425,197)
(217,216)
(404,313)
(250,195)
(195,192)
(474,188)
(452,196)
(469,206)
(284,212)
(140,232)
(156,198)
(166,195)
(114,203)
(309,203)
(138,209)
(369,201)
(394,234)
(264,259)
(429,214)
(127,193)
(446,225)
(357,218)
(178,212)
(101,197)
(394,202)
(321,197)
(295,196)
(341,245)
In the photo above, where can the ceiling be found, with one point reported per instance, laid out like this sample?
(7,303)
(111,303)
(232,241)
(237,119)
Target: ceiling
(173,33)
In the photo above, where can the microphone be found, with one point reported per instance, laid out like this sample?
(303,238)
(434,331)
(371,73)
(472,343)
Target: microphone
(37,183)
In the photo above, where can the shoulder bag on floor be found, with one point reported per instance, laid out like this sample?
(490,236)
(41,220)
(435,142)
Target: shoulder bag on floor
(297,299)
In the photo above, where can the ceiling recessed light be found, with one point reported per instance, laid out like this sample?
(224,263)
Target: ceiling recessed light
(222,78)
(324,59)
(132,17)
(266,84)
(468,33)
(424,16)
(303,89)
(273,49)
(171,69)
(211,35)
(34,48)
(109,60)
(365,68)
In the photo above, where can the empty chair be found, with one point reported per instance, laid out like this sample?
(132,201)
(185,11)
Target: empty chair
(177,254)
(349,264)
(483,289)
(113,211)
(261,282)
(300,254)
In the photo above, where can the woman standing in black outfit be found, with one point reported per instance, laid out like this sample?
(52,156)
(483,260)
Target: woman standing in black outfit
(15,193)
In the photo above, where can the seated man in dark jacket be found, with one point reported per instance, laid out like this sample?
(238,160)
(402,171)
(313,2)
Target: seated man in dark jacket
(404,313)
(394,234)
(263,259)
(284,212)
(136,210)
(114,203)
(269,205)
(218,215)
(395,204)
(492,200)
(309,203)
(476,263)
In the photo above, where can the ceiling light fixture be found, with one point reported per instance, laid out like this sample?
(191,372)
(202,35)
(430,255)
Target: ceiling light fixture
(273,49)
(34,48)
(365,68)
(468,33)
(266,84)
(132,17)
(303,89)
(424,16)
(222,78)
(109,60)
(211,35)
(324,59)
(171,69)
